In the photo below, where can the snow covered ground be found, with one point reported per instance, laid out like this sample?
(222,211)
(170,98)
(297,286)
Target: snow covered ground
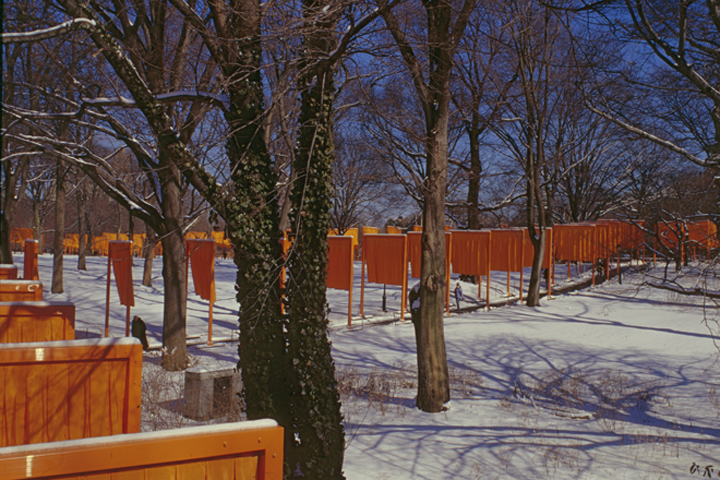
(612,382)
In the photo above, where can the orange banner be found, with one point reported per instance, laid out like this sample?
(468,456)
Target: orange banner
(121,256)
(386,258)
(393,230)
(202,260)
(471,252)
(340,262)
(507,247)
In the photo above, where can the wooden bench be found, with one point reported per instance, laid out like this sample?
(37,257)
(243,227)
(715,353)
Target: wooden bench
(55,391)
(36,321)
(21,291)
(237,451)
(8,272)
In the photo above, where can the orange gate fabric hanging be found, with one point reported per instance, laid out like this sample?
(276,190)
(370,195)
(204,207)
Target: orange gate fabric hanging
(121,256)
(340,262)
(341,253)
(386,259)
(202,261)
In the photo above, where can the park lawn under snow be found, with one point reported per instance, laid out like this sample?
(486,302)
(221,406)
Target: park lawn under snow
(612,382)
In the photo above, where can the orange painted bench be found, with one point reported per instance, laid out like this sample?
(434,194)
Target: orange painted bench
(8,272)
(233,451)
(55,391)
(36,321)
(21,291)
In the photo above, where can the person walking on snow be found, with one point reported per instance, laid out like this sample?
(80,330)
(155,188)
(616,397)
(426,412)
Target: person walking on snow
(458,294)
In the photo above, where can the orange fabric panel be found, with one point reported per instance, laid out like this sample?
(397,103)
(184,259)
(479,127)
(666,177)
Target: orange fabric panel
(70,390)
(19,235)
(340,262)
(417,228)
(121,257)
(370,230)
(564,242)
(386,258)
(414,245)
(196,235)
(30,267)
(138,240)
(36,321)
(393,230)
(671,234)
(353,232)
(202,260)
(470,252)
(703,233)
(506,247)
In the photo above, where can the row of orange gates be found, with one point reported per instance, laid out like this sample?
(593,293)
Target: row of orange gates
(59,395)
(477,253)
(100,245)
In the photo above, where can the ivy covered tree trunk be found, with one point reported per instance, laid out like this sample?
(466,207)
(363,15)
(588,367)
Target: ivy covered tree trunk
(253,224)
(317,447)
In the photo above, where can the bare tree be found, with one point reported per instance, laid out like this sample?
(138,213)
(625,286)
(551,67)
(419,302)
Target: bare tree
(430,75)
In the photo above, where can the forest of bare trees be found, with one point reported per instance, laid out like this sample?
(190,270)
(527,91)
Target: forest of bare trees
(261,118)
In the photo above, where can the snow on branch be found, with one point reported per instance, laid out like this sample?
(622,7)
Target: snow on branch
(187,95)
(45,33)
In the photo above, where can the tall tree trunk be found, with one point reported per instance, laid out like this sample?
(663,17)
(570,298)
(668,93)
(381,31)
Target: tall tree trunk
(253,225)
(433,378)
(317,421)
(148,255)
(175,296)
(58,252)
(82,217)
(475,172)
(434,96)
(7,198)
(37,231)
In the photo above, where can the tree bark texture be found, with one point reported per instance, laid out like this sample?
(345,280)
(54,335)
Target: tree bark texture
(58,252)
(315,407)
(435,97)
(80,199)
